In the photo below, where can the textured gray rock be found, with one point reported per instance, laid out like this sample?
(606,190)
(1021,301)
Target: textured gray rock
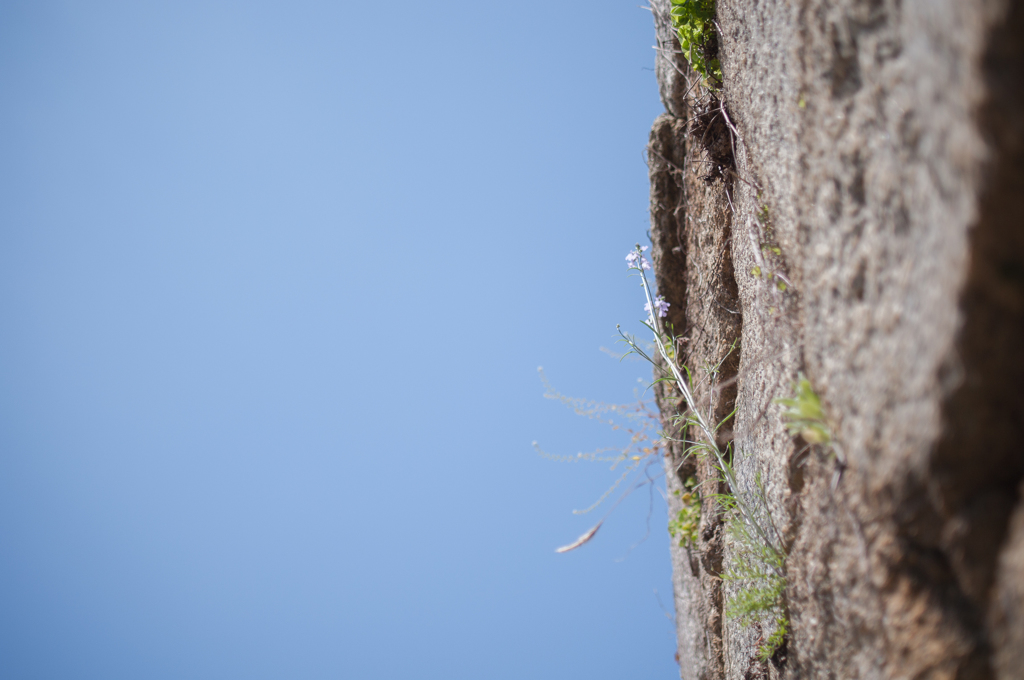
(878,146)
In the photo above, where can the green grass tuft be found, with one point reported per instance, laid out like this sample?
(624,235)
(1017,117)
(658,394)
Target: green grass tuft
(758,570)
(776,639)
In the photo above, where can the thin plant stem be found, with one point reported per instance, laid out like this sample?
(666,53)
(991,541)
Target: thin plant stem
(696,417)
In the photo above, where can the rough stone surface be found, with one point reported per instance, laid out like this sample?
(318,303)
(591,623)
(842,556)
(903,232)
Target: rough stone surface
(869,155)
(1007,613)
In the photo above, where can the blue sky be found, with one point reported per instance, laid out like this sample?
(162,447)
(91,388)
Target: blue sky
(275,281)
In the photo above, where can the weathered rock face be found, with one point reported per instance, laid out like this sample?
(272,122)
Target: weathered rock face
(870,157)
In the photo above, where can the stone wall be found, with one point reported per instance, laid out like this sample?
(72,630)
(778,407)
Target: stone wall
(870,155)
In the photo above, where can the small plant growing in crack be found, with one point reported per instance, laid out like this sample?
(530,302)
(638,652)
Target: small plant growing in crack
(694,21)
(759,565)
(763,215)
(767,256)
(684,525)
(803,414)
(758,569)
(805,418)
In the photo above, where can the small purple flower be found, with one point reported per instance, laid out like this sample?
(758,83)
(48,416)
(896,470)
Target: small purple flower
(660,305)
(636,261)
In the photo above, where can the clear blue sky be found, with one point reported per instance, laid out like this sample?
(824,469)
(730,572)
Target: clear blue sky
(275,279)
